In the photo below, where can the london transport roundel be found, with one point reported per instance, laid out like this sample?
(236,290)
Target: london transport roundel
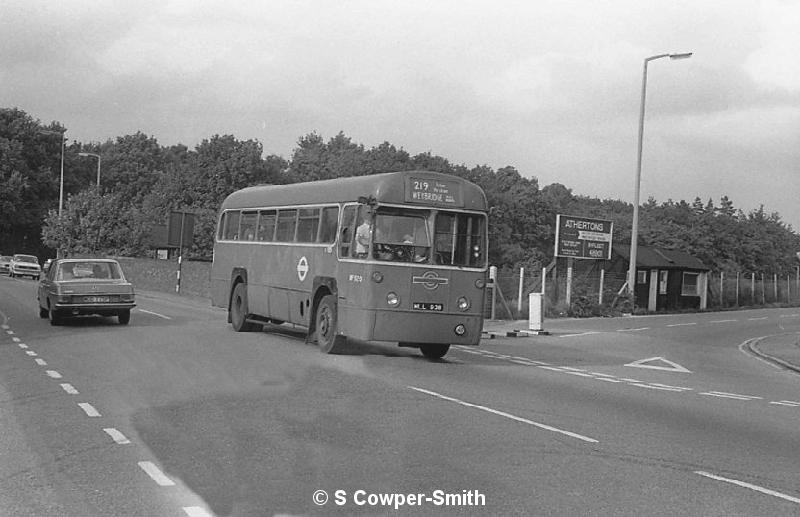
(302,268)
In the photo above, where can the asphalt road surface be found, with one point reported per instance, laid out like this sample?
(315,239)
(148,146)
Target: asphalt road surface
(176,414)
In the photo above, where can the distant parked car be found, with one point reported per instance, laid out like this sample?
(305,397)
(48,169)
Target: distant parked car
(74,287)
(24,265)
(5,264)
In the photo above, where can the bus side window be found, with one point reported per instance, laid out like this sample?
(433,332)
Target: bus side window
(346,234)
(287,223)
(232,225)
(266,225)
(327,227)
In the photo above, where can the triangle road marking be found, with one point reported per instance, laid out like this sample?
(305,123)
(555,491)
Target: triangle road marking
(661,364)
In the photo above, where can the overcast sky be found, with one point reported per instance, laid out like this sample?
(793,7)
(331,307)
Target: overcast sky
(551,88)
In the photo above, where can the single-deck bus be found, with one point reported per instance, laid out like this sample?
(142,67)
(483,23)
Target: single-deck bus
(398,256)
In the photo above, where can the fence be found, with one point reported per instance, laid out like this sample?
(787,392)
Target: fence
(595,291)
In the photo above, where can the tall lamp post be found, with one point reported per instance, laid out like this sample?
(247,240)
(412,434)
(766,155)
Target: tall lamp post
(635,225)
(98,165)
(62,134)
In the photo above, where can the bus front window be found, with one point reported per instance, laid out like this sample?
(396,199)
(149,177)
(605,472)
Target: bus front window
(401,236)
(459,239)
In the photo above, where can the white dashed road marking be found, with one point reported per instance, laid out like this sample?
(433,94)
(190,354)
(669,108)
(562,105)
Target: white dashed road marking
(69,389)
(155,314)
(117,436)
(41,362)
(54,374)
(744,484)
(726,395)
(23,346)
(506,415)
(682,324)
(155,473)
(196,511)
(89,409)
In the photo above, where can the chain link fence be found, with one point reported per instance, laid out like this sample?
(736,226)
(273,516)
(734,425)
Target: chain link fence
(595,291)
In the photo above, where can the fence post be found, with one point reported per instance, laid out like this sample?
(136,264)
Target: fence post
(569,282)
(602,285)
(775,285)
(753,289)
(737,288)
(763,291)
(722,288)
(493,278)
(788,279)
(519,294)
(544,281)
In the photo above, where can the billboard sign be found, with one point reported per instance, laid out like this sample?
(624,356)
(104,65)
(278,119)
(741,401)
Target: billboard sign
(583,238)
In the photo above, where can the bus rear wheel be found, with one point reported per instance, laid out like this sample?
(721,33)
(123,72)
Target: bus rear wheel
(434,350)
(326,326)
(239,310)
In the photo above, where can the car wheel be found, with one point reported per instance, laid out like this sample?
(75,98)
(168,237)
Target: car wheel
(55,318)
(327,326)
(124,317)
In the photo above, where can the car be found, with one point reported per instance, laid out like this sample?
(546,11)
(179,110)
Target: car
(5,264)
(76,287)
(24,265)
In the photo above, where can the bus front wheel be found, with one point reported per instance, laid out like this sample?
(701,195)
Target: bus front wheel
(239,310)
(326,326)
(434,350)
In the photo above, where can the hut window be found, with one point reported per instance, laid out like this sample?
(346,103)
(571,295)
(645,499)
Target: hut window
(689,286)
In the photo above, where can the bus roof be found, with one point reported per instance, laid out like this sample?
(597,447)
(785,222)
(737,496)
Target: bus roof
(424,188)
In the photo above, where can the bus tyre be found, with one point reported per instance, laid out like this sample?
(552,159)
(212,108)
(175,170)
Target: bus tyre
(326,326)
(239,310)
(434,350)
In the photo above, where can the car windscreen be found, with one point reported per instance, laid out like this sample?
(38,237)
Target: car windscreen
(26,258)
(88,271)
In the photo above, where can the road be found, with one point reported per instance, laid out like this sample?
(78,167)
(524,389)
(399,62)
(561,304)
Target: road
(176,414)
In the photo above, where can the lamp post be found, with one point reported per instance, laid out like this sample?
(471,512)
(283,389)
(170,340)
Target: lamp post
(98,165)
(61,133)
(635,225)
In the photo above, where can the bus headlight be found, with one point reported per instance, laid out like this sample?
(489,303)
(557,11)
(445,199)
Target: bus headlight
(463,304)
(480,283)
(392,299)
(460,329)
(377,277)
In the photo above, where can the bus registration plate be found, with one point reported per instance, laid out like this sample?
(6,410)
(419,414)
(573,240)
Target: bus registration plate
(427,306)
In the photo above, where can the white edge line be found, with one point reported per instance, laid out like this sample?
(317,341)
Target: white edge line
(117,436)
(743,484)
(155,473)
(682,324)
(196,511)
(155,314)
(580,334)
(506,415)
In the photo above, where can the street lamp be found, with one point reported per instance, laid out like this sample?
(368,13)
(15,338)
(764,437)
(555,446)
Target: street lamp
(61,133)
(635,225)
(98,165)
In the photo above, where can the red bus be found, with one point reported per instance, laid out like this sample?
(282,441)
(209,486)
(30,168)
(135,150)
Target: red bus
(398,257)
